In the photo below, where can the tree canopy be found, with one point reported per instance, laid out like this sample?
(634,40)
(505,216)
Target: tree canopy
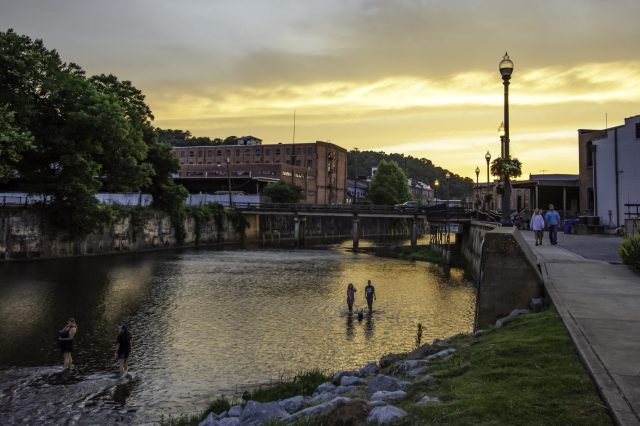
(72,136)
(283,192)
(389,184)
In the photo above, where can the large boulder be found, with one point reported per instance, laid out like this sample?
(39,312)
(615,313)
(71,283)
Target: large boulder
(387,360)
(293,404)
(229,421)
(337,377)
(417,371)
(351,380)
(235,411)
(344,389)
(389,396)
(210,420)
(321,409)
(369,369)
(257,414)
(427,400)
(443,353)
(326,387)
(386,415)
(421,352)
(410,365)
(386,383)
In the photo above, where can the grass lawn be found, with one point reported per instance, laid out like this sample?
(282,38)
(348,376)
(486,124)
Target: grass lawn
(527,373)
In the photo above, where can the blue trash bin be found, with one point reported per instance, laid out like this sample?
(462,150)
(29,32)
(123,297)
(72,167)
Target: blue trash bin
(567,226)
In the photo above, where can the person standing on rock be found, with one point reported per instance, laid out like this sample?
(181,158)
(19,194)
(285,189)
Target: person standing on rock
(351,296)
(552,218)
(65,338)
(370,294)
(537,226)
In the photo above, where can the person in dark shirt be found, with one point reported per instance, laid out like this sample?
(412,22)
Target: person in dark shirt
(370,294)
(65,338)
(123,348)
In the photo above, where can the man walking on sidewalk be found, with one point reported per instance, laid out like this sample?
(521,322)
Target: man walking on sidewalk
(552,218)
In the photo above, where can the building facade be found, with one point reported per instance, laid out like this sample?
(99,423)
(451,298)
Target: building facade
(610,164)
(319,168)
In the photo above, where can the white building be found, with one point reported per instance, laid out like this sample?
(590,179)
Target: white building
(616,173)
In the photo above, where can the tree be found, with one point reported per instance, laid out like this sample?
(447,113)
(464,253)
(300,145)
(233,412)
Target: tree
(283,192)
(13,143)
(389,185)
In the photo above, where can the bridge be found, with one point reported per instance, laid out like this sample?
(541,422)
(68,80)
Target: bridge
(442,220)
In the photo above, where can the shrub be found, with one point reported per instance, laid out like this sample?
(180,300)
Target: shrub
(629,252)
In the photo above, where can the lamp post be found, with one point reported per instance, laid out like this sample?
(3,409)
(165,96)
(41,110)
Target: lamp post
(229,181)
(355,173)
(447,230)
(506,69)
(475,204)
(487,157)
(436,185)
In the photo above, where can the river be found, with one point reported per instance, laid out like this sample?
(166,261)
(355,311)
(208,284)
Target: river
(204,323)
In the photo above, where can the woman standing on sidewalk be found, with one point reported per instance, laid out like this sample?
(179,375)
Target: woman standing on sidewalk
(537,226)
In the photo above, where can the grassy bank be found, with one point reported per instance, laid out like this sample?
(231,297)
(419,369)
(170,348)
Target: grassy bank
(527,372)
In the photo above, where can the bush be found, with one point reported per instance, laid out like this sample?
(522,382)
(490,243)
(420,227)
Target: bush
(629,252)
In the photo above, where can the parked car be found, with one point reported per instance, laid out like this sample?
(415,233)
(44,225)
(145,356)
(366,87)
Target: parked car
(408,205)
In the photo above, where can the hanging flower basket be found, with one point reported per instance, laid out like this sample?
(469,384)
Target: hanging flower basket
(511,167)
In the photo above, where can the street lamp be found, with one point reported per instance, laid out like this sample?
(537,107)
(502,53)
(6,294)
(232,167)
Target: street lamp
(487,157)
(355,177)
(506,69)
(477,187)
(448,231)
(436,185)
(229,181)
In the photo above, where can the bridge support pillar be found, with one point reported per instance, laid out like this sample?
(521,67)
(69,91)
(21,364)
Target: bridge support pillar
(356,234)
(414,232)
(298,230)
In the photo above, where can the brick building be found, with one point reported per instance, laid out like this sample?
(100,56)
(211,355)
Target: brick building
(320,168)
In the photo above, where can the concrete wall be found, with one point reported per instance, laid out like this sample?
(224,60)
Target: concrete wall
(24,234)
(504,268)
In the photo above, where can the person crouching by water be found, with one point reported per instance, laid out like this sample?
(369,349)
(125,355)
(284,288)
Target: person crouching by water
(370,294)
(123,347)
(351,296)
(65,338)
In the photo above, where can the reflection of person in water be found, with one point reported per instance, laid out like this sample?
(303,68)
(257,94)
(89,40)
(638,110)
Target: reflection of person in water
(351,296)
(368,327)
(349,330)
(65,338)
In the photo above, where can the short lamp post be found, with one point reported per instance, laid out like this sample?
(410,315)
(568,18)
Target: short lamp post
(436,185)
(487,157)
(447,230)
(477,194)
(229,182)
(506,69)
(355,174)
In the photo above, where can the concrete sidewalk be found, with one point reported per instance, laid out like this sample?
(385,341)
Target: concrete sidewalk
(599,301)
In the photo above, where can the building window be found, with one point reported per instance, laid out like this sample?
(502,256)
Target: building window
(589,154)
(288,151)
(182,154)
(247,153)
(258,151)
(309,163)
(200,153)
(237,153)
(191,154)
(277,151)
(310,150)
(267,151)
(298,151)
(298,163)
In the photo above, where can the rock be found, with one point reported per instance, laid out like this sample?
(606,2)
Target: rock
(322,409)
(337,377)
(351,380)
(210,420)
(387,360)
(229,421)
(319,398)
(344,389)
(410,365)
(235,411)
(293,404)
(326,387)
(536,304)
(427,379)
(421,352)
(386,383)
(369,369)
(443,353)
(223,415)
(515,313)
(426,400)
(417,371)
(385,415)
(257,414)
(389,396)
(378,403)
(440,343)
(480,333)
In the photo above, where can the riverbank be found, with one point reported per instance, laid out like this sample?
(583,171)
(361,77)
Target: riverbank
(525,372)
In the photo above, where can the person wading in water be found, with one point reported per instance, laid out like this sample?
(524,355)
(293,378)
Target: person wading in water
(123,347)
(65,338)
(370,294)
(351,296)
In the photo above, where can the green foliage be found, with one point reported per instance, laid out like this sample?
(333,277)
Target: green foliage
(389,185)
(418,341)
(203,214)
(238,222)
(421,169)
(511,167)
(629,251)
(283,192)
(302,384)
(13,143)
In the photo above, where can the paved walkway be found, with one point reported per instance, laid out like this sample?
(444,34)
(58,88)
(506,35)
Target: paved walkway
(598,299)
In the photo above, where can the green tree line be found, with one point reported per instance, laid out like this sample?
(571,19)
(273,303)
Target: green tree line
(68,136)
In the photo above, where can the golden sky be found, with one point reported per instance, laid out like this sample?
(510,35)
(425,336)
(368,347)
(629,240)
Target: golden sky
(418,77)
